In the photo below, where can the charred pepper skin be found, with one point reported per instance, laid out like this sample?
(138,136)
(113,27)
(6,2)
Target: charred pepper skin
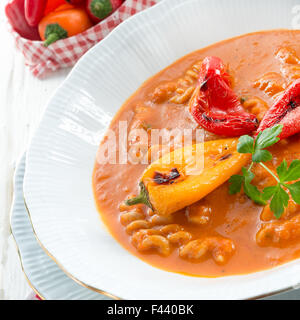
(285,111)
(215,106)
(167,185)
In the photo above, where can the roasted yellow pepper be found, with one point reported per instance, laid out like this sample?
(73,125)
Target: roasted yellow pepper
(188,174)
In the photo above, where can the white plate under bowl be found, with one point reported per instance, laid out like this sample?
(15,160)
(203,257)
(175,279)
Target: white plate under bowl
(61,156)
(42,273)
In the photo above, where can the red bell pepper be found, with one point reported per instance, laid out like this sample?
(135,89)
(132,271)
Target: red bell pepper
(215,106)
(34,11)
(285,111)
(52,5)
(75,1)
(100,9)
(15,13)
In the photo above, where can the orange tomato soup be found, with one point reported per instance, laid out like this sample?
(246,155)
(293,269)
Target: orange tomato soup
(261,66)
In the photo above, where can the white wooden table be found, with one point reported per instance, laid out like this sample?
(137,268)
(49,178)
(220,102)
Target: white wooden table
(22,101)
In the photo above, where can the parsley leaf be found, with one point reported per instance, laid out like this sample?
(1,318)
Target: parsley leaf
(262,156)
(253,193)
(264,139)
(248,175)
(246,144)
(268,137)
(282,170)
(290,174)
(295,191)
(279,201)
(269,192)
(250,190)
(236,182)
(277,194)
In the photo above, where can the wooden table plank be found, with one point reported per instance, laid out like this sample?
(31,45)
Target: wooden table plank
(22,101)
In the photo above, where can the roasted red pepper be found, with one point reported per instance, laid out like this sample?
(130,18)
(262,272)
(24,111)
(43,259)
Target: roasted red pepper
(285,111)
(215,106)
(34,11)
(16,16)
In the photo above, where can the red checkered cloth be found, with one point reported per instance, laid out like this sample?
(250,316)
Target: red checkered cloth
(64,53)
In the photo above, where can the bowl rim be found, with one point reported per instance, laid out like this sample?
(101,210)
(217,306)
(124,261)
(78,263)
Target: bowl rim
(18,234)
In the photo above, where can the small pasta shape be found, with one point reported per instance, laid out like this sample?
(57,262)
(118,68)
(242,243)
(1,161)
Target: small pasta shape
(184,97)
(130,216)
(290,210)
(295,72)
(193,74)
(139,124)
(256,106)
(171,228)
(140,235)
(194,250)
(197,66)
(189,79)
(287,55)
(160,243)
(157,220)
(181,91)
(137,225)
(266,214)
(277,232)
(198,213)
(180,237)
(271,83)
(163,92)
(220,249)
(183,82)
(290,63)
(145,240)
(292,72)
(124,207)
